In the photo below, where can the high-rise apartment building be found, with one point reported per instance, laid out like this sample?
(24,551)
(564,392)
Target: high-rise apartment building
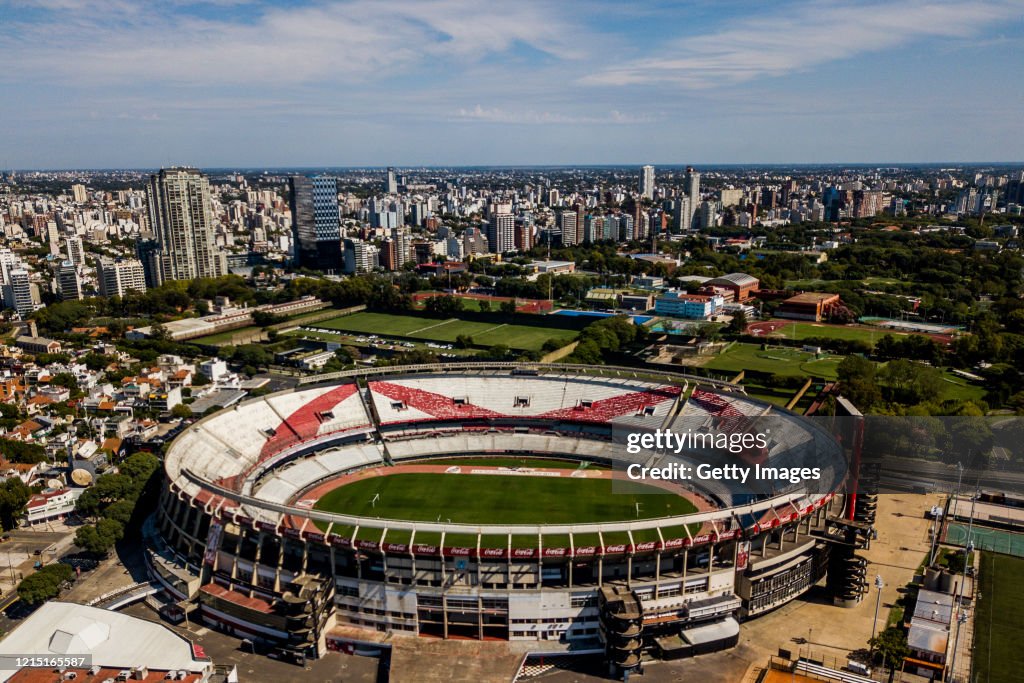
(181,216)
(360,257)
(524,232)
(392,182)
(403,247)
(18,292)
(693,192)
(68,282)
(78,194)
(501,233)
(117,278)
(75,250)
(682,214)
(567,227)
(867,203)
(647,182)
(53,237)
(315,222)
(731,197)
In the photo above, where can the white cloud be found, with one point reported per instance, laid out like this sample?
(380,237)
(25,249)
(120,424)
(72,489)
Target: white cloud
(498,115)
(806,36)
(126,43)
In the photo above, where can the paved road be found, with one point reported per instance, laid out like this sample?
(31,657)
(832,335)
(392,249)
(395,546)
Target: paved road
(225,649)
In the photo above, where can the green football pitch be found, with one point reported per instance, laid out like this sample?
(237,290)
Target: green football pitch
(997,625)
(517,335)
(501,499)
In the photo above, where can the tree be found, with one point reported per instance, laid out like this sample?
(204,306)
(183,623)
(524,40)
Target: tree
(443,306)
(181,410)
(44,584)
(139,467)
(891,644)
(253,355)
(13,496)
(463,341)
(508,307)
(99,539)
(159,332)
(738,324)
(485,305)
(17,451)
(858,380)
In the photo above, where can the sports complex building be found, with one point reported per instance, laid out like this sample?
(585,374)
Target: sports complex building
(484,500)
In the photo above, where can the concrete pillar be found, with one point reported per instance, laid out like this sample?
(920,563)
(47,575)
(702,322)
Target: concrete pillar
(256,559)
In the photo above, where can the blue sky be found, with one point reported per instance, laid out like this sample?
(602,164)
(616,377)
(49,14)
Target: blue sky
(116,83)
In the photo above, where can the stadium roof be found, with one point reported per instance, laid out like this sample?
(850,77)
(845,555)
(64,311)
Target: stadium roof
(112,639)
(737,279)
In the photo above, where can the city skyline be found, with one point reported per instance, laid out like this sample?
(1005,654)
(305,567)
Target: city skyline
(130,85)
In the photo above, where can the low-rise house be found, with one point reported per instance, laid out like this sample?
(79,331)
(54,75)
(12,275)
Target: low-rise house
(38,344)
(51,505)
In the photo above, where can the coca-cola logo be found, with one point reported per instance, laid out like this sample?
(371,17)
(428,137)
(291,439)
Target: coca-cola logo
(555,552)
(522,552)
(674,543)
(585,550)
(619,548)
(291,533)
(396,547)
(367,545)
(425,549)
(461,552)
(649,545)
(266,526)
(703,538)
(314,537)
(493,552)
(340,541)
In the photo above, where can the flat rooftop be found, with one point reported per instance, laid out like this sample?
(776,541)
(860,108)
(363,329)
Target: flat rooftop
(810,298)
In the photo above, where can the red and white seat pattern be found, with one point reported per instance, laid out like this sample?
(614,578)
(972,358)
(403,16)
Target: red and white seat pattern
(453,398)
(312,413)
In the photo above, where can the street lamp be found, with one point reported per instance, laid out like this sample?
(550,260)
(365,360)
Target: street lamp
(879,584)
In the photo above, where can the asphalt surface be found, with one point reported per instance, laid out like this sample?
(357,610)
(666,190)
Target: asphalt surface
(227,650)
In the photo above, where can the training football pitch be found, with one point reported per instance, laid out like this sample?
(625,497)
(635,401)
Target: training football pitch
(501,499)
(777,360)
(997,625)
(514,335)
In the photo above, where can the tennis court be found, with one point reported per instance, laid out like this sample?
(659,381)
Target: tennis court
(996,540)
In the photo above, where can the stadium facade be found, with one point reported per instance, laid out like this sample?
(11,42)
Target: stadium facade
(238,540)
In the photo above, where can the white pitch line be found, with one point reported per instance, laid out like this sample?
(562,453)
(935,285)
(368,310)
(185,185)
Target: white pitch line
(498,327)
(430,327)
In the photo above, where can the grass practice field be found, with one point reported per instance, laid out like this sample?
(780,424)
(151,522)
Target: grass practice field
(502,499)
(794,362)
(998,629)
(779,361)
(802,330)
(517,336)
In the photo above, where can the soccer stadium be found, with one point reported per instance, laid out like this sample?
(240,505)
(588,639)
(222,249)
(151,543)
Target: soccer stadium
(487,501)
